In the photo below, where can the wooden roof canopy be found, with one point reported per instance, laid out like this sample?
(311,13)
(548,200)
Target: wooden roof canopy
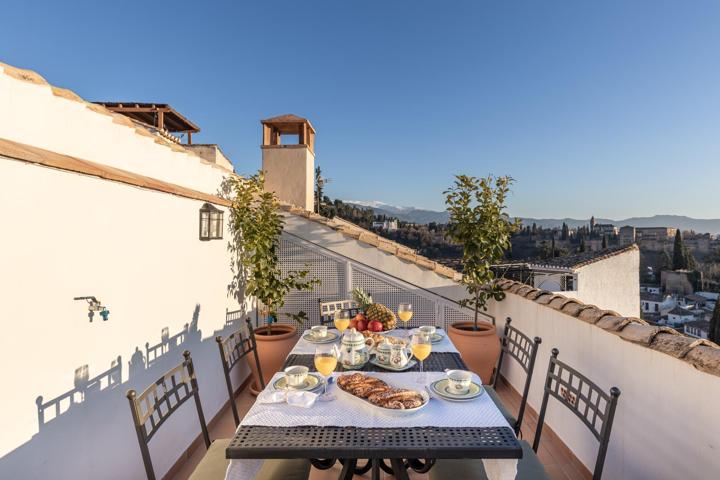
(274,128)
(158,115)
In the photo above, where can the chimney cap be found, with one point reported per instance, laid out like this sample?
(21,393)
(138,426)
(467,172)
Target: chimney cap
(288,123)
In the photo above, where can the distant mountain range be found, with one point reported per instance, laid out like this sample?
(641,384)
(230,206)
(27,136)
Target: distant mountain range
(406,214)
(416,215)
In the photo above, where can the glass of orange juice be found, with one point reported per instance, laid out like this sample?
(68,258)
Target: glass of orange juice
(421,348)
(405,313)
(326,362)
(342,320)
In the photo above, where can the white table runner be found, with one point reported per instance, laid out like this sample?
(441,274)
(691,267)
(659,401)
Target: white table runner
(303,347)
(351,411)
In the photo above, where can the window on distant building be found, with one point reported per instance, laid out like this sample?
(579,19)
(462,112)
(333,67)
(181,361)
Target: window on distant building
(657,307)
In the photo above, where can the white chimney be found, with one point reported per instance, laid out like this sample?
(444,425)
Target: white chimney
(289,169)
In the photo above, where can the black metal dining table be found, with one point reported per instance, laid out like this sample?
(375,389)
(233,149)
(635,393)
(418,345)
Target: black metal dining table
(410,447)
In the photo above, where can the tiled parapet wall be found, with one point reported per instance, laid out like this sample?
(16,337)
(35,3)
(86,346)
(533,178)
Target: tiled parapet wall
(702,354)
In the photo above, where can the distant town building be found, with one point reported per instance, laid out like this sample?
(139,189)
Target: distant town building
(697,328)
(650,288)
(676,282)
(601,277)
(697,242)
(678,316)
(389,225)
(654,239)
(626,235)
(654,303)
(605,229)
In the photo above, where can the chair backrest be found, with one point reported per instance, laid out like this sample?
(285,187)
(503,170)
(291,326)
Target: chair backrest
(520,347)
(592,405)
(234,348)
(328,309)
(152,407)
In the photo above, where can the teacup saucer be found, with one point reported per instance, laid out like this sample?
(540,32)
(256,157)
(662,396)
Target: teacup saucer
(312,381)
(434,338)
(442,388)
(329,338)
(407,366)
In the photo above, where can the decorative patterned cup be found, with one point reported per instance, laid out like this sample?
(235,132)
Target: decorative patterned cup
(319,331)
(295,376)
(428,330)
(459,381)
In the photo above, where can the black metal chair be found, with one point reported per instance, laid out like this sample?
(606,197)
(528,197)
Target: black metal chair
(520,347)
(234,348)
(153,407)
(329,307)
(592,405)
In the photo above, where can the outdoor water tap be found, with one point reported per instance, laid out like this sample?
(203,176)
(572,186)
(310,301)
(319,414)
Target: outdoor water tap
(94,305)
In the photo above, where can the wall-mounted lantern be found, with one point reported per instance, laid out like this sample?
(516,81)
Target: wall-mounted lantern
(211,222)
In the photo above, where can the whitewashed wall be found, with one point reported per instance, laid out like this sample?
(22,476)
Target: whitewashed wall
(666,426)
(33,115)
(67,235)
(612,283)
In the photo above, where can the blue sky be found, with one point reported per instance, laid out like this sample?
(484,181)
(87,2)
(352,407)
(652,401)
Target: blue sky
(609,108)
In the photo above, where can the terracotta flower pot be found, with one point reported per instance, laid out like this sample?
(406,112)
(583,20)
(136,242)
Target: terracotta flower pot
(479,348)
(272,351)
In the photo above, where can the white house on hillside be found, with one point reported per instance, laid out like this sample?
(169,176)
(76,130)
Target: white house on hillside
(608,277)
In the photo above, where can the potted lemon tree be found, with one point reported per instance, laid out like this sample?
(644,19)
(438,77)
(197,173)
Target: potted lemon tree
(479,224)
(255,226)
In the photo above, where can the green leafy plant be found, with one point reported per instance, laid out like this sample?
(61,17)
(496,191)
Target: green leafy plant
(479,224)
(255,227)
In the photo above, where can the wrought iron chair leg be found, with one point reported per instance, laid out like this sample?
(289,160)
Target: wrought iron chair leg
(375,469)
(399,469)
(421,466)
(322,464)
(364,469)
(348,470)
(385,467)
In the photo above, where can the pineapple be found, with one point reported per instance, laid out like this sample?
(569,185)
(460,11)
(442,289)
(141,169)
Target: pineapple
(374,311)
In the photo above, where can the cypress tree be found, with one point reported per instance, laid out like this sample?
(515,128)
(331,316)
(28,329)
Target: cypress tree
(582,245)
(714,332)
(565,232)
(604,242)
(679,258)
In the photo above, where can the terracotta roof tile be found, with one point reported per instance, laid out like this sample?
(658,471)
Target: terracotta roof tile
(579,260)
(701,354)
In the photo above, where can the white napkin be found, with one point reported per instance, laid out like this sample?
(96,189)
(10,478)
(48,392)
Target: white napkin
(295,398)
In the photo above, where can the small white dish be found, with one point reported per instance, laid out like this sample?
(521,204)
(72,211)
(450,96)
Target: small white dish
(329,338)
(312,382)
(390,367)
(442,389)
(434,338)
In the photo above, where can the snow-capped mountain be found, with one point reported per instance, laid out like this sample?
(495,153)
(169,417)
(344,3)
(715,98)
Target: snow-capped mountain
(407,214)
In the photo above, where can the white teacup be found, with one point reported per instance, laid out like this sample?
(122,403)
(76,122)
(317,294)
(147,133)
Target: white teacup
(319,331)
(295,376)
(428,330)
(459,381)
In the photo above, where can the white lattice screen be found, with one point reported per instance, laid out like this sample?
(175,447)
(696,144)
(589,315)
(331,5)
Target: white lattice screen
(424,310)
(339,275)
(294,256)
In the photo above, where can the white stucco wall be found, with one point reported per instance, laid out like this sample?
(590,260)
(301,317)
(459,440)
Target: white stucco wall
(138,251)
(369,255)
(612,283)
(290,173)
(31,114)
(666,425)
